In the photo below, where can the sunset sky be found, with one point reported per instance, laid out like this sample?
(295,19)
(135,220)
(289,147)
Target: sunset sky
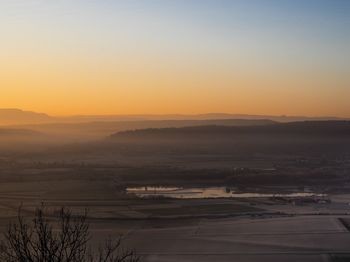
(176,56)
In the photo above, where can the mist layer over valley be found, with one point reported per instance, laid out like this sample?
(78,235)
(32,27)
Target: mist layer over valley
(158,179)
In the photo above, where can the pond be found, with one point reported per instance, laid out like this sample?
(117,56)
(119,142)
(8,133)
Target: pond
(206,192)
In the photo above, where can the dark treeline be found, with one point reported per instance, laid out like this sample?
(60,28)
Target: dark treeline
(310,128)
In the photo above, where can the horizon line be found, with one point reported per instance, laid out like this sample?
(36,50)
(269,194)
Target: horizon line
(175,114)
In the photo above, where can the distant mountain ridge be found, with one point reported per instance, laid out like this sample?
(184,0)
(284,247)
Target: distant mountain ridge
(12,116)
(21,117)
(208,116)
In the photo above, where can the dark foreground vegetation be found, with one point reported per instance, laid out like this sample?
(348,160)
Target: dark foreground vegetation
(65,240)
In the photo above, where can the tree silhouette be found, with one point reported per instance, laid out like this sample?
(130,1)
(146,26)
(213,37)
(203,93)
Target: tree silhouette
(40,241)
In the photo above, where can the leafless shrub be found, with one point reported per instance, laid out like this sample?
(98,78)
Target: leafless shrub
(38,241)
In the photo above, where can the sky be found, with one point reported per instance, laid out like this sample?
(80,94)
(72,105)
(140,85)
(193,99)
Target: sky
(276,57)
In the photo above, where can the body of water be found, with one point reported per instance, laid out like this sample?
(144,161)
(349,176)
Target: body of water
(207,192)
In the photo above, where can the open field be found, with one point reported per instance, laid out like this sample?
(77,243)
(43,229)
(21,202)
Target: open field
(302,212)
(259,229)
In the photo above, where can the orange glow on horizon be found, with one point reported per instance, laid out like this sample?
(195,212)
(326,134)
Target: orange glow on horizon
(118,59)
(143,87)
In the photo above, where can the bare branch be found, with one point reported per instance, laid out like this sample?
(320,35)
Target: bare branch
(39,242)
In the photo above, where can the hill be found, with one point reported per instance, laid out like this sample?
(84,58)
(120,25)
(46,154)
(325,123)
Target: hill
(101,129)
(20,117)
(209,116)
(329,129)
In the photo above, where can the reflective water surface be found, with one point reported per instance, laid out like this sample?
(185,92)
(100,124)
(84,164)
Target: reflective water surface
(206,192)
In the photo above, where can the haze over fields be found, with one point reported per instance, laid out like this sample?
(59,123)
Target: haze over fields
(21,117)
(181,130)
(53,129)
